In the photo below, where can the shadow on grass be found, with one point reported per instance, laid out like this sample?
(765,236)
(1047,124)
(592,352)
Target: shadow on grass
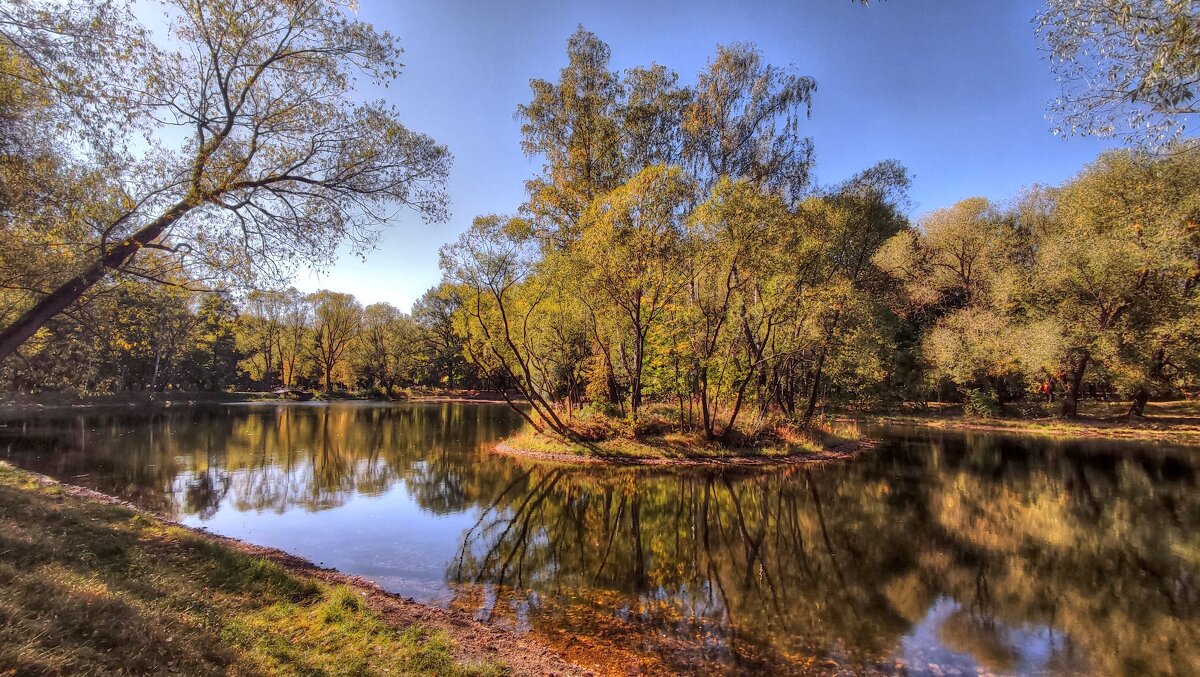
(90,588)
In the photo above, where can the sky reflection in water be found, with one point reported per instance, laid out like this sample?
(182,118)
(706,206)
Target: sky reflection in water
(933,554)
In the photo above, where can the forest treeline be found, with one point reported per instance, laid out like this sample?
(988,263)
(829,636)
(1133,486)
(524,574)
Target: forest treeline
(673,249)
(136,335)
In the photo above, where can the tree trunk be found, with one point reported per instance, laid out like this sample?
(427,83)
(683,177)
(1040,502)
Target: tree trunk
(1073,383)
(816,389)
(1138,407)
(12,336)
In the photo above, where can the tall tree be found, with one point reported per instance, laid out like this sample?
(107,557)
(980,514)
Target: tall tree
(632,254)
(278,162)
(337,322)
(573,124)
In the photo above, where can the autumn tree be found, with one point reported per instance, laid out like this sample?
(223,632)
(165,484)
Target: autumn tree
(260,154)
(1117,270)
(388,349)
(505,304)
(632,254)
(336,324)
(442,344)
(959,267)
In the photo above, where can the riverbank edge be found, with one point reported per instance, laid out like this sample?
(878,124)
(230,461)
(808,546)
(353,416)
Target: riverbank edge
(20,406)
(1145,430)
(473,640)
(596,456)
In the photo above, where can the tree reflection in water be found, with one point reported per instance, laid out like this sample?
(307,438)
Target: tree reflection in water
(968,552)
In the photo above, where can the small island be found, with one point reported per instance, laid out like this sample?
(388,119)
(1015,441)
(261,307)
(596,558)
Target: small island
(603,442)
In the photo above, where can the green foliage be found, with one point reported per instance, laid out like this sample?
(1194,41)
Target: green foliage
(670,250)
(981,403)
(1099,274)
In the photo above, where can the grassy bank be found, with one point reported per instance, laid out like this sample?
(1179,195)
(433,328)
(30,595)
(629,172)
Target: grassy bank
(92,587)
(1165,422)
(828,441)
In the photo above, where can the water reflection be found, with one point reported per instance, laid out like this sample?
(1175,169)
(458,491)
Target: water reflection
(934,554)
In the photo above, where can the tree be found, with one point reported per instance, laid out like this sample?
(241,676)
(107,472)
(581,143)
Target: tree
(1127,68)
(277,164)
(749,263)
(744,122)
(1119,266)
(337,322)
(212,359)
(632,253)
(442,344)
(960,269)
(574,125)
(260,330)
(388,348)
(852,223)
(504,307)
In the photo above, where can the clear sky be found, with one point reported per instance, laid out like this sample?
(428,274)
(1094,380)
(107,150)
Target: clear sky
(956,90)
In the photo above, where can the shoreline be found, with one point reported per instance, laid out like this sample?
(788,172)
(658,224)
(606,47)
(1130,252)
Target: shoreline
(18,407)
(1148,430)
(474,641)
(842,451)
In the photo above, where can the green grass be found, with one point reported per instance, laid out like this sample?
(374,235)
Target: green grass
(89,588)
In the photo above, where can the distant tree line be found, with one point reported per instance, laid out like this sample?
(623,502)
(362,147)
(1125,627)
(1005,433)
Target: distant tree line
(137,335)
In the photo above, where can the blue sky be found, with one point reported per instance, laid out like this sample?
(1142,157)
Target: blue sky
(956,90)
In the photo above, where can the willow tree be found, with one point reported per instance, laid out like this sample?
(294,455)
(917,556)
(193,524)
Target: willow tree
(506,310)
(749,264)
(1118,270)
(1127,68)
(259,157)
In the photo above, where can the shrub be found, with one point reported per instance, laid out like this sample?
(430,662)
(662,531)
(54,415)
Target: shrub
(981,403)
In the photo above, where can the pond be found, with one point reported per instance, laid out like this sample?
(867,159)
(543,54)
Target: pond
(934,553)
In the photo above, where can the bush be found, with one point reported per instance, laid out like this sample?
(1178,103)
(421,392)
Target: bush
(981,403)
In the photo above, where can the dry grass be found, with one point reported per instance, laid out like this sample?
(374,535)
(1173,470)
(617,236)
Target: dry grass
(90,588)
(611,442)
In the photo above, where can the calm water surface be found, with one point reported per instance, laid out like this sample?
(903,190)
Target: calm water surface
(933,554)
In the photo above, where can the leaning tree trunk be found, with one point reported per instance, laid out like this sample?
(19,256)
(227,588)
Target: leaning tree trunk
(1073,384)
(12,336)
